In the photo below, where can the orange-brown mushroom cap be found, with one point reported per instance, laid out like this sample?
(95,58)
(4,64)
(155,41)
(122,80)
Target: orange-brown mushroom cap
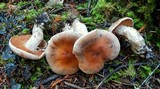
(59,53)
(126,21)
(94,48)
(17,44)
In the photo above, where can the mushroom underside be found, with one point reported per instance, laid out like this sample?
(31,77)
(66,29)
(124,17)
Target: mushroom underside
(17,44)
(59,53)
(93,49)
(126,21)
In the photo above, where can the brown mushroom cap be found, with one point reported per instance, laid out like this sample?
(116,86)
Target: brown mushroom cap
(126,21)
(94,48)
(59,53)
(17,44)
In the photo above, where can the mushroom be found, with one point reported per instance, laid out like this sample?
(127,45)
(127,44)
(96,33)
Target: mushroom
(77,26)
(59,50)
(124,27)
(31,46)
(54,2)
(94,48)
(59,53)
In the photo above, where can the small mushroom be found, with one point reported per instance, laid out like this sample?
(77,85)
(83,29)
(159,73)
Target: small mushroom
(54,2)
(31,46)
(59,53)
(94,48)
(124,27)
(76,26)
(79,27)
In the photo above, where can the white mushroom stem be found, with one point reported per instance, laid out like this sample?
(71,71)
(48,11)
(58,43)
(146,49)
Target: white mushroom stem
(36,38)
(137,42)
(79,27)
(67,27)
(55,2)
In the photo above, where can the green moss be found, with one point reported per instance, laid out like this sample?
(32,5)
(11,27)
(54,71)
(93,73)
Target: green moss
(36,74)
(130,71)
(25,31)
(2,62)
(158,45)
(38,3)
(2,6)
(144,72)
(22,3)
(114,76)
(81,6)
(30,14)
(64,16)
(102,7)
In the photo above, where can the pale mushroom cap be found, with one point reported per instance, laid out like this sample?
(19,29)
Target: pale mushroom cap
(126,21)
(17,45)
(59,53)
(94,48)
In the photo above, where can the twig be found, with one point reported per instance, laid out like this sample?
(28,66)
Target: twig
(72,85)
(148,78)
(142,28)
(118,68)
(50,79)
(88,8)
(100,75)
(54,83)
(55,10)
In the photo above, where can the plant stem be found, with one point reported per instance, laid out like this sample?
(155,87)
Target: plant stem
(88,8)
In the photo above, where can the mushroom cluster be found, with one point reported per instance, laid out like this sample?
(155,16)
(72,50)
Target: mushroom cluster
(75,48)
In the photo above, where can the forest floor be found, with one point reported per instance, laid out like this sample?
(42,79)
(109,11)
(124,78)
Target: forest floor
(127,71)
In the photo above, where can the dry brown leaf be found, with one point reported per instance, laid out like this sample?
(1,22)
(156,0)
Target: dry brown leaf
(58,18)
(142,28)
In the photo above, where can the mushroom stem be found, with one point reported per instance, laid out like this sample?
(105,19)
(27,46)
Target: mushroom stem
(36,38)
(137,42)
(76,26)
(67,27)
(37,32)
(79,27)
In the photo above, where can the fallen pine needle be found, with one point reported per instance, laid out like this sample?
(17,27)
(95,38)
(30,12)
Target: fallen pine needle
(72,85)
(100,75)
(148,78)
